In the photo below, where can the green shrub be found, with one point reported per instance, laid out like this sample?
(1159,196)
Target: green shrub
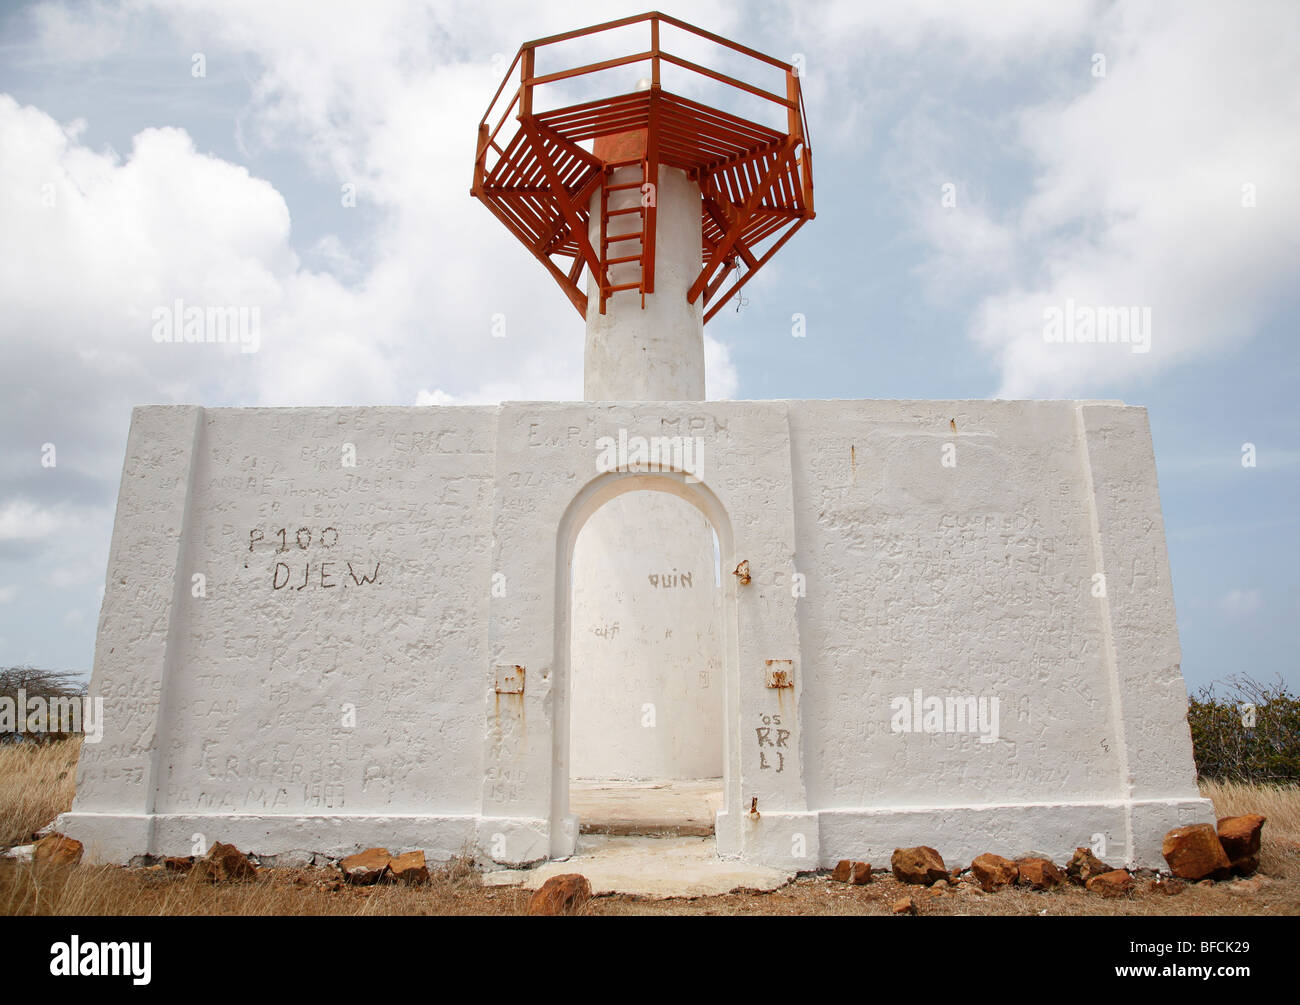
(29,682)
(1228,748)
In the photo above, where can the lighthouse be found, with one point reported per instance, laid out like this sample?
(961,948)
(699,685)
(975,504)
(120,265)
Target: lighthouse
(679,203)
(561,608)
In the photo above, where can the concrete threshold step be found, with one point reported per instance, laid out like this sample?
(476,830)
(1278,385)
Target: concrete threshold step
(648,808)
(649,867)
(647,828)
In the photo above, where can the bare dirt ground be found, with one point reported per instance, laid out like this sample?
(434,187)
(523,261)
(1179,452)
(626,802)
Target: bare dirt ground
(112,890)
(36,785)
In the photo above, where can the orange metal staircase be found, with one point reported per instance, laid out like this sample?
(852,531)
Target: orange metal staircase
(540,180)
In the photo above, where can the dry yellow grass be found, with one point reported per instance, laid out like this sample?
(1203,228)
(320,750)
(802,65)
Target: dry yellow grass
(37,784)
(1280,853)
(112,890)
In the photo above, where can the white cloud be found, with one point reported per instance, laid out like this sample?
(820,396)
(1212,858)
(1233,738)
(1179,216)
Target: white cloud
(8,593)
(436,397)
(1138,197)
(1135,179)
(65,576)
(82,32)
(721,378)
(1239,602)
(982,33)
(22,520)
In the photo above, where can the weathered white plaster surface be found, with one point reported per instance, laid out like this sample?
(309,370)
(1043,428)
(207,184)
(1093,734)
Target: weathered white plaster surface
(649,867)
(227,713)
(647,645)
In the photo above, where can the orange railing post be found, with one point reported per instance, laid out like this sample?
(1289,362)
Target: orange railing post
(654,48)
(526,82)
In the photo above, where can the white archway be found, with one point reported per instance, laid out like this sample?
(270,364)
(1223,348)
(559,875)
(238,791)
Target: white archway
(587,502)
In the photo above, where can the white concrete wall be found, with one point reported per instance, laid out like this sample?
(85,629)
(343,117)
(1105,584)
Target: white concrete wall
(246,711)
(647,643)
(977,580)
(227,708)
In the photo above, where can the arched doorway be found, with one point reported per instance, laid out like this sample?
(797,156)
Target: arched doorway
(646,634)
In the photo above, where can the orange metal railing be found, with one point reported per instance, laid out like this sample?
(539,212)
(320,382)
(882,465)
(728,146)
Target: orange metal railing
(522,97)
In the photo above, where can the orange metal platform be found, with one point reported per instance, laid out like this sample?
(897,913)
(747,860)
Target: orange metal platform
(755,180)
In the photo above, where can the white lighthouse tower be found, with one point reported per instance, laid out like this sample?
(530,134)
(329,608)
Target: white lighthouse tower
(669,206)
(646,696)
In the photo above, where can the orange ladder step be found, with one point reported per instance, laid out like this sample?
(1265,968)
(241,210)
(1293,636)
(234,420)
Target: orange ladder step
(607,239)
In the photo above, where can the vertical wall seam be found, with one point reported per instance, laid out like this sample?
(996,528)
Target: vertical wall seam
(175,640)
(1108,635)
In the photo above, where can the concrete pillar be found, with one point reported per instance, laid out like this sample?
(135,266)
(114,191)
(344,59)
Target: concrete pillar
(655,354)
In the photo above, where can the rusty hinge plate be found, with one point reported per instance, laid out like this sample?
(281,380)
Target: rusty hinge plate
(780,673)
(510,679)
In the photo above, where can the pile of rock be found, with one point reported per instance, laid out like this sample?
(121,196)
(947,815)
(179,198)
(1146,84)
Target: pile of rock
(224,863)
(848,871)
(375,865)
(1197,852)
(924,866)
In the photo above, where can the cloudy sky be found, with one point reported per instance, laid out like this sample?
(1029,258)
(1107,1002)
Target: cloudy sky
(975,166)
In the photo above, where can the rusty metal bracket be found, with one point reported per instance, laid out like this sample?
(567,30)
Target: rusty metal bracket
(780,673)
(510,679)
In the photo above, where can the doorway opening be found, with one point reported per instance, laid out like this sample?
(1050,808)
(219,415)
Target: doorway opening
(647,668)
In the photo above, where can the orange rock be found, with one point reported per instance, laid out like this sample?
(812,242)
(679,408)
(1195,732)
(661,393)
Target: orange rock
(55,849)
(175,864)
(224,862)
(1194,852)
(564,894)
(843,871)
(366,867)
(1240,837)
(409,868)
(1169,887)
(921,864)
(231,863)
(1039,873)
(1084,865)
(993,872)
(861,873)
(1115,883)
(904,906)
(1245,866)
